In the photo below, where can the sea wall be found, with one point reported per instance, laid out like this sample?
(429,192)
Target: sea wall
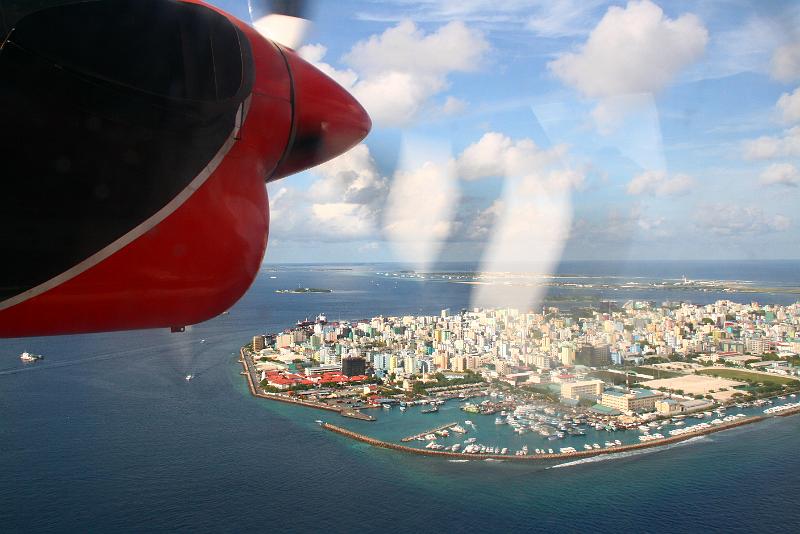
(556,456)
(251,386)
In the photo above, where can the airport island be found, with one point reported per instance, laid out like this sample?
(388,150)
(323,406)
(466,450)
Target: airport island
(505,384)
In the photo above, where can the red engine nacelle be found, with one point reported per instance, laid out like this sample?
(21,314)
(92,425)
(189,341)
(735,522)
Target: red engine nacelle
(195,248)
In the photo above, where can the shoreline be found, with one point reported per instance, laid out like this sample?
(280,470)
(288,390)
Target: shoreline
(353,414)
(466,456)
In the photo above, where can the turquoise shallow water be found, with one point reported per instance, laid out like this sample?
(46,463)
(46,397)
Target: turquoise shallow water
(106,435)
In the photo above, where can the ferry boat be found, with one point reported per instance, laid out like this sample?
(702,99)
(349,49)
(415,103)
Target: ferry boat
(432,409)
(28,357)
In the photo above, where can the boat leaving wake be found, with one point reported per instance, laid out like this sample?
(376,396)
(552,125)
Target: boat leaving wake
(628,454)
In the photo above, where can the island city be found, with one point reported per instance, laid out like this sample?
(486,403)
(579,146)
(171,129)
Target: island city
(537,385)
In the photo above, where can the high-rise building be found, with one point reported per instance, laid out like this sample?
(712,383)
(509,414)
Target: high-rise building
(258,342)
(353,366)
(458,364)
(593,355)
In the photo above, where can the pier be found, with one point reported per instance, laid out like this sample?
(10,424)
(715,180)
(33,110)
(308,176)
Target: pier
(355,414)
(425,433)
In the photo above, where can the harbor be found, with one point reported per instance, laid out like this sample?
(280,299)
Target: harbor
(573,454)
(482,437)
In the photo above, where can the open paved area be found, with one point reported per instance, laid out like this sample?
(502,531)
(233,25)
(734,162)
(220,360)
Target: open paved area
(698,385)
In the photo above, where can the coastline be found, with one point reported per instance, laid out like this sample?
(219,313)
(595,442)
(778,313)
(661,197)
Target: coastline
(478,456)
(353,414)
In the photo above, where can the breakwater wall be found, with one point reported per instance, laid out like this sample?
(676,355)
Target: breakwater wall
(532,458)
(787,413)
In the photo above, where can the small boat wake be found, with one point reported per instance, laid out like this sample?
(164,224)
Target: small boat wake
(628,454)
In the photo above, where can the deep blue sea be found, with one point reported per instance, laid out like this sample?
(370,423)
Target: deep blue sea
(106,435)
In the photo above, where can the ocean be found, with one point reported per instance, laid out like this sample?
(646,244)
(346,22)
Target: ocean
(106,435)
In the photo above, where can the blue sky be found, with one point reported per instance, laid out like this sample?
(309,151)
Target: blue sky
(539,131)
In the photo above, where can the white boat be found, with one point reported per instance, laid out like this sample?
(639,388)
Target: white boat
(28,357)
(402,408)
(189,377)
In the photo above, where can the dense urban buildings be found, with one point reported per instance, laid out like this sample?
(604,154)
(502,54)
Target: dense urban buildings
(638,358)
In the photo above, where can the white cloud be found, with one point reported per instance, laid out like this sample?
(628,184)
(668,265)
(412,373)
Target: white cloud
(344,219)
(530,223)
(660,184)
(789,106)
(419,211)
(496,155)
(735,220)
(636,49)
(785,65)
(315,53)
(395,74)
(351,177)
(453,105)
(406,48)
(771,147)
(344,202)
(781,174)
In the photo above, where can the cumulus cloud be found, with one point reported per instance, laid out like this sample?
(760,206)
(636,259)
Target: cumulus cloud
(789,106)
(785,64)
(781,174)
(530,223)
(395,74)
(497,155)
(344,202)
(771,147)
(635,49)
(732,220)
(420,210)
(315,53)
(660,184)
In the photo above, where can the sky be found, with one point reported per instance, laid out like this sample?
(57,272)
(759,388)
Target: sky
(546,131)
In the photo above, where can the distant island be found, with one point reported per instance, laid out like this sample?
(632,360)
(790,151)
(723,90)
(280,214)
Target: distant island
(304,290)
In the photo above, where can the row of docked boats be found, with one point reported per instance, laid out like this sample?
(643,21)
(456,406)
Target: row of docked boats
(782,408)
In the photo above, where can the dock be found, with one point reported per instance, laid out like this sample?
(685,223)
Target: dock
(425,433)
(355,414)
